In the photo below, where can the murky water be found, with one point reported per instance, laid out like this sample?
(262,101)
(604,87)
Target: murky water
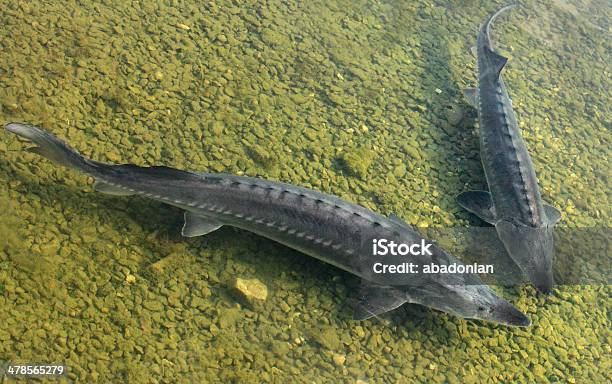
(361,99)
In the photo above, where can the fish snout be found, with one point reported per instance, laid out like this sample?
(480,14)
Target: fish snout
(506,313)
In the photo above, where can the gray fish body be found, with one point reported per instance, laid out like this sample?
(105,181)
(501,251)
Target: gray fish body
(320,225)
(506,162)
(513,204)
(323,226)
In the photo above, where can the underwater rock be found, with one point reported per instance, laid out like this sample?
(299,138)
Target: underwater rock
(400,170)
(274,38)
(264,157)
(359,332)
(339,359)
(454,114)
(217,127)
(358,161)
(251,290)
(280,348)
(326,337)
(229,317)
(170,263)
(130,279)
(4,335)
(153,305)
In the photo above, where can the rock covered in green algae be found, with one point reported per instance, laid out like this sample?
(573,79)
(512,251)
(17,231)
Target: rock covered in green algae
(454,114)
(228,317)
(358,161)
(10,225)
(327,337)
(153,305)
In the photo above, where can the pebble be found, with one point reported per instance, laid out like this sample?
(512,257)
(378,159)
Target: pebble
(130,279)
(251,289)
(454,114)
(327,337)
(152,305)
(339,359)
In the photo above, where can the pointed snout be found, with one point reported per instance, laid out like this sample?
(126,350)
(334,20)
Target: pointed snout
(506,313)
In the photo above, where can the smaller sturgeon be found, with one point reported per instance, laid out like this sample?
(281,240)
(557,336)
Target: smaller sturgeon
(514,205)
(317,224)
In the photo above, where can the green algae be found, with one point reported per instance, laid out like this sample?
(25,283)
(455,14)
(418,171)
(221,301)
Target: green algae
(327,337)
(358,161)
(10,226)
(108,285)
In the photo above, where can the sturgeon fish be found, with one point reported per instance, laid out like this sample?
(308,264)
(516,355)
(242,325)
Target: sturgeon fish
(513,204)
(320,225)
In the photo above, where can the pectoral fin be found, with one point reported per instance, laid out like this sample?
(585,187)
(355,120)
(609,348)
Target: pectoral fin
(198,226)
(376,299)
(479,203)
(552,214)
(101,186)
(471,95)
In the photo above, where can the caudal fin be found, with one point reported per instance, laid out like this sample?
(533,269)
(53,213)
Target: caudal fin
(486,27)
(106,175)
(50,147)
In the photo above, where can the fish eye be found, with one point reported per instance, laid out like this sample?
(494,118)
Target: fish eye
(481,309)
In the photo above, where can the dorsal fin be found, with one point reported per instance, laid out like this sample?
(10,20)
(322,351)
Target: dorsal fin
(497,61)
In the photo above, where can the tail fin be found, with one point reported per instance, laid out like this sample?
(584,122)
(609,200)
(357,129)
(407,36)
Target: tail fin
(56,150)
(486,27)
(51,147)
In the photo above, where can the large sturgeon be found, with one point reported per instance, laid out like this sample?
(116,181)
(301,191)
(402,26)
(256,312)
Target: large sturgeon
(513,204)
(320,225)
